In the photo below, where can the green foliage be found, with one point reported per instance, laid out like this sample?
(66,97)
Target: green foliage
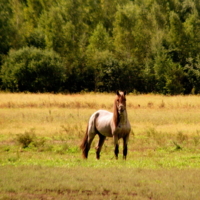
(34,70)
(36,39)
(193,74)
(5,27)
(99,40)
(26,139)
(152,42)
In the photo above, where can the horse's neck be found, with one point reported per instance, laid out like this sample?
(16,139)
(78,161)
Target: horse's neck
(123,118)
(119,119)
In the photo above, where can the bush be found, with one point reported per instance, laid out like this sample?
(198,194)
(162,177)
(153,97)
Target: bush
(29,139)
(26,139)
(34,70)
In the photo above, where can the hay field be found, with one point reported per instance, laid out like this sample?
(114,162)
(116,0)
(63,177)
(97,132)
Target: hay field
(164,146)
(47,112)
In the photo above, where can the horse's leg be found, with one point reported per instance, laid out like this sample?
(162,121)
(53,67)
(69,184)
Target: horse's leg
(90,134)
(99,145)
(116,145)
(125,147)
(90,139)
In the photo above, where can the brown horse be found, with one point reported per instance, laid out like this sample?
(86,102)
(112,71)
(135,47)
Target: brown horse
(107,124)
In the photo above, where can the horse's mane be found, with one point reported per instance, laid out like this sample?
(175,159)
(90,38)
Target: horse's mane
(115,114)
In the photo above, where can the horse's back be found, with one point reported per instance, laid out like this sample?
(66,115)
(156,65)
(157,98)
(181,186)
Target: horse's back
(103,122)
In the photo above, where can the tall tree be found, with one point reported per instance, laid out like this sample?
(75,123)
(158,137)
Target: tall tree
(99,54)
(5,27)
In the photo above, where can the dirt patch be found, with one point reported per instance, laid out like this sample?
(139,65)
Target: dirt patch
(64,194)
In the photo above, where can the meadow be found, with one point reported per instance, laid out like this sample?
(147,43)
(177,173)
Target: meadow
(40,157)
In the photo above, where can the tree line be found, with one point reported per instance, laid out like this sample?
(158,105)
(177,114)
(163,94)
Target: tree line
(99,45)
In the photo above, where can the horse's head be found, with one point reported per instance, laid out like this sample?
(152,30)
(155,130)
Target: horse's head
(120,102)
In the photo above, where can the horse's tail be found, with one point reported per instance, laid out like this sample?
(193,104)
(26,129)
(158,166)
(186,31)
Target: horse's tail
(84,145)
(90,132)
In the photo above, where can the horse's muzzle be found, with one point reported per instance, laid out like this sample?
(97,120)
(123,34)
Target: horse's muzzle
(121,109)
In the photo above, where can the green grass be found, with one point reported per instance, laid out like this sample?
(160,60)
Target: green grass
(63,155)
(36,182)
(40,157)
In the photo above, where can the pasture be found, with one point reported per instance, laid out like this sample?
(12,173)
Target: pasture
(40,157)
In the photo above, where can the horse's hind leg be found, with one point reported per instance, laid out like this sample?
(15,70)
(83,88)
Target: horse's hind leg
(86,143)
(99,145)
(90,139)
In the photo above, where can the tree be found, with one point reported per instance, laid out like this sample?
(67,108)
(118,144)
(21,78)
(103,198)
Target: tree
(174,80)
(192,30)
(169,76)
(99,54)
(5,27)
(192,70)
(102,41)
(34,70)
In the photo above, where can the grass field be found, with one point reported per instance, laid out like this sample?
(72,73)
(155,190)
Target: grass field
(40,157)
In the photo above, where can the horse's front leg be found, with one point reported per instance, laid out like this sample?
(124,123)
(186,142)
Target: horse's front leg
(125,146)
(116,146)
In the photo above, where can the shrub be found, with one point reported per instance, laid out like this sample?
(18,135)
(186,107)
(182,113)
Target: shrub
(29,139)
(26,139)
(34,70)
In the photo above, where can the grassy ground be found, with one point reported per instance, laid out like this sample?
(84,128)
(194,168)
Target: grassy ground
(40,158)
(36,182)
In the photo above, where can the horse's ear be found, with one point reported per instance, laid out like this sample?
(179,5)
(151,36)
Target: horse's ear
(124,93)
(117,92)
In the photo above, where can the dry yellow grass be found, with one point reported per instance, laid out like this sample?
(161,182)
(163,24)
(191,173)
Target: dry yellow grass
(96,100)
(53,114)
(21,100)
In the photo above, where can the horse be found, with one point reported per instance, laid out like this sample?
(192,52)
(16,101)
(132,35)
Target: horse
(107,124)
